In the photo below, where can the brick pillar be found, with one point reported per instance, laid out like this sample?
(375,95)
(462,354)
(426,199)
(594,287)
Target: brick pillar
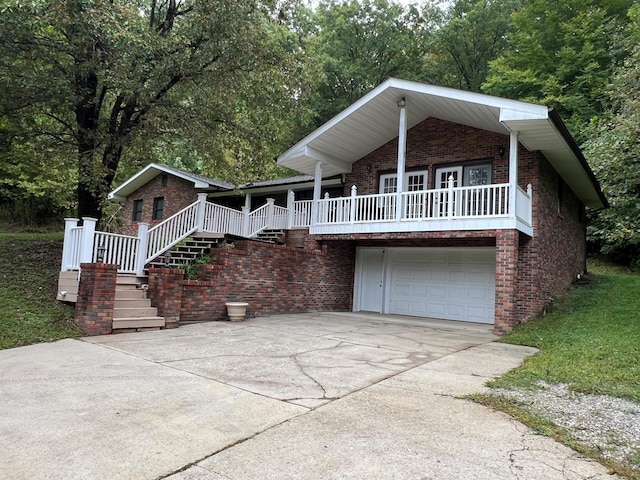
(165,293)
(96,298)
(506,315)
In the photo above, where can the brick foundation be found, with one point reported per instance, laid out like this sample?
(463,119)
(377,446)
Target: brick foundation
(96,298)
(272,279)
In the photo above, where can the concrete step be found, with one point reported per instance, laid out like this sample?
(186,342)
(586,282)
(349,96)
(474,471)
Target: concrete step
(130,280)
(132,303)
(134,312)
(129,293)
(138,322)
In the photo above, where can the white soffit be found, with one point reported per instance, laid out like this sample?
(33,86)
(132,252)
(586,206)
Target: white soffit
(373,121)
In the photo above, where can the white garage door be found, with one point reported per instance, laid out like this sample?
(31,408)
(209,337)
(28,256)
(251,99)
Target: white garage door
(448,283)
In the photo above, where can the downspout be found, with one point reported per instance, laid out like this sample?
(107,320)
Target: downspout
(402,147)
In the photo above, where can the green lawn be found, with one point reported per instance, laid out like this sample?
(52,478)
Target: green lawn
(29,311)
(590,340)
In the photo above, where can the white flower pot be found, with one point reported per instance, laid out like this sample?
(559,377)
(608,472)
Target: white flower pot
(236,310)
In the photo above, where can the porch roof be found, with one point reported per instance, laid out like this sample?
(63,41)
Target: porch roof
(372,121)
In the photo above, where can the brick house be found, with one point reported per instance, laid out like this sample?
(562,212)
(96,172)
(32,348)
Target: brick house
(158,192)
(416,200)
(488,220)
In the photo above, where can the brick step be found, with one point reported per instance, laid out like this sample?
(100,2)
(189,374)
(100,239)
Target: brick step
(138,322)
(135,312)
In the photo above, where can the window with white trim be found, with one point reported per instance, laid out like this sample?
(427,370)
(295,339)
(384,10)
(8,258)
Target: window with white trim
(412,182)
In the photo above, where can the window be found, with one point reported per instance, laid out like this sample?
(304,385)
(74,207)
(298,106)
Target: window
(137,211)
(413,182)
(163,180)
(475,175)
(158,207)
(472,175)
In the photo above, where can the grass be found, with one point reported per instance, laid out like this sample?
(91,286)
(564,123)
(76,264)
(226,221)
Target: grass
(590,340)
(29,311)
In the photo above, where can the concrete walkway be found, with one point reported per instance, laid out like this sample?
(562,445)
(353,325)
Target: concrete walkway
(309,396)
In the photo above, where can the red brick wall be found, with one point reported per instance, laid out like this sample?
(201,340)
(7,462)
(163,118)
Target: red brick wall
(165,293)
(430,144)
(550,261)
(96,298)
(178,194)
(272,279)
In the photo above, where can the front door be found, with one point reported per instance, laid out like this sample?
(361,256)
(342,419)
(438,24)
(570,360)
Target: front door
(442,182)
(370,278)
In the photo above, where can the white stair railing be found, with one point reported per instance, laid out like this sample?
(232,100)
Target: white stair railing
(166,234)
(220,219)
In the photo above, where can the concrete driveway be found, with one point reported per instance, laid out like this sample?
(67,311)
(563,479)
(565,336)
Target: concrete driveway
(309,396)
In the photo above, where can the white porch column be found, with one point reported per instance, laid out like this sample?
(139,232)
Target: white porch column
(247,201)
(86,242)
(245,222)
(402,148)
(270,204)
(67,245)
(317,191)
(291,198)
(202,205)
(143,245)
(513,172)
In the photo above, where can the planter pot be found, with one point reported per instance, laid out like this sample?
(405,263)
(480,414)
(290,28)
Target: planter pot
(236,310)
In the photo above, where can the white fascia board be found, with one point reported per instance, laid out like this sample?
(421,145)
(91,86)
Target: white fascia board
(115,195)
(296,149)
(509,115)
(343,166)
(466,96)
(142,174)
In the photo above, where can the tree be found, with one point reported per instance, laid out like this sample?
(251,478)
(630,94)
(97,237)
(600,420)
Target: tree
(358,45)
(614,151)
(109,75)
(561,54)
(470,35)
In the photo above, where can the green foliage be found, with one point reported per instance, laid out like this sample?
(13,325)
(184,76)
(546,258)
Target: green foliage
(191,269)
(358,44)
(105,81)
(590,341)
(29,311)
(561,54)
(471,33)
(614,150)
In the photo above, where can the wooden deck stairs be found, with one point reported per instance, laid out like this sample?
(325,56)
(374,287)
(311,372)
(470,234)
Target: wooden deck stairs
(133,310)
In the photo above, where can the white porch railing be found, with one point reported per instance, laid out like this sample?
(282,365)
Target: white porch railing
(117,249)
(487,201)
(419,211)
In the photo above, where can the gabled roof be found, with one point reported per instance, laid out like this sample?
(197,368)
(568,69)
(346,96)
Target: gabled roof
(372,121)
(152,170)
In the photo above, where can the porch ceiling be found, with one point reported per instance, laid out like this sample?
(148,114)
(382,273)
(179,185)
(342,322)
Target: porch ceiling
(373,120)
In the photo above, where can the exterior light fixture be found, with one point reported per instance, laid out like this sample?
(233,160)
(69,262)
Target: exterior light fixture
(167,258)
(100,253)
(501,152)
(402,102)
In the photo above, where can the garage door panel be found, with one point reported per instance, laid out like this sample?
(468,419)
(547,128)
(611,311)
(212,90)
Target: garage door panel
(456,284)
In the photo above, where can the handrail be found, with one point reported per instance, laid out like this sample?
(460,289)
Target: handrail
(169,232)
